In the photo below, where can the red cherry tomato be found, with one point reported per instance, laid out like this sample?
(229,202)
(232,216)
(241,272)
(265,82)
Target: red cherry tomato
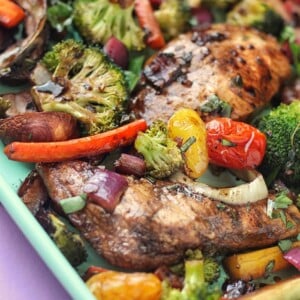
(233,144)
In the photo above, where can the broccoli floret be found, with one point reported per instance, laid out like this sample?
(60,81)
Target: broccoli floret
(258,14)
(161,154)
(69,243)
(282,129)
(211,269)
(195,285)
(4,106)
(173,17)
(86,85)
(98,20)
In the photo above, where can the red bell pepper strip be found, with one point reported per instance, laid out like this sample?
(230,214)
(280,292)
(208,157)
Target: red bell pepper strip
(234,144)
(75,148)
(146,18)
(11,14)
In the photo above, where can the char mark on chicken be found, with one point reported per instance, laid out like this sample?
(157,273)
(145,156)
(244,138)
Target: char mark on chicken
(241,66)
(155,224)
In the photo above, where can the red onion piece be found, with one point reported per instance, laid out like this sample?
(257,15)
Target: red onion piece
(156,3)
(117,52)
(130,165)
(202,15)
(293,257)
(105,188)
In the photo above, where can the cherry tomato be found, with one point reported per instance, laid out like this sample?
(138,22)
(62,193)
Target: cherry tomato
(234,144)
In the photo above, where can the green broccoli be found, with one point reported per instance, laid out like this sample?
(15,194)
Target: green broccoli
(173,17)
(258,14)
(211,269)
(86,84)
(69,243)
(195,285)
(282,129)
(98,20)
(161,154)
(4,106)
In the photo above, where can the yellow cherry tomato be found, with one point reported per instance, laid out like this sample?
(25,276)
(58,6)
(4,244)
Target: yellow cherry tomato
(185,123)
(111,285)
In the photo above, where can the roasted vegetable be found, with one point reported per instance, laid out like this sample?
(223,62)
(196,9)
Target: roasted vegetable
(282,129)
(185,125)
(173,17)
(161,154)
(69,243)
(255,264)
(234,144)
(145,15)
(211,269)
(98,20)
(4,106)
(11,14)
(195,286)
(38,127)
(18,60)
(258,14)
(85,84)
(75,148)
(110,285)
(284,289)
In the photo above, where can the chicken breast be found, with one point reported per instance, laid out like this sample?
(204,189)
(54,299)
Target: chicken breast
(241,66)
(154,224)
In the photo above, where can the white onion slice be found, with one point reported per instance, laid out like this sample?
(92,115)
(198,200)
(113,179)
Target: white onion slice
(253,190)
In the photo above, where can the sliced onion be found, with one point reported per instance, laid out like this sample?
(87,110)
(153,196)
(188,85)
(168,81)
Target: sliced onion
(293,257)
(73,204)
(105,188)
(254,190)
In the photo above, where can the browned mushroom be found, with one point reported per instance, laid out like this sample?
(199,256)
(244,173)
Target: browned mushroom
(38,127)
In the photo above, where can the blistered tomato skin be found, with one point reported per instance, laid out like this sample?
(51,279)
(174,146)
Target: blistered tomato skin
(185,123)
(234,144)
(111,285)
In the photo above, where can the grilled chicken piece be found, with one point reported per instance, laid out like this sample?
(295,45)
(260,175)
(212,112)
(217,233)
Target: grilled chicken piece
(241,66)
(154,224)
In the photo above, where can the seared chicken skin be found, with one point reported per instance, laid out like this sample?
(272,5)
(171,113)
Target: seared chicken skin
(241,66)
(154,224)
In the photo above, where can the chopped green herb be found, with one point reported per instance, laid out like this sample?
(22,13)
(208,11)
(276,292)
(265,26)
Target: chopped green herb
(190,141)
(214,104)
(227,143)
(282,201)
(269,268)
(285,245)
(289,225)
(282,217)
